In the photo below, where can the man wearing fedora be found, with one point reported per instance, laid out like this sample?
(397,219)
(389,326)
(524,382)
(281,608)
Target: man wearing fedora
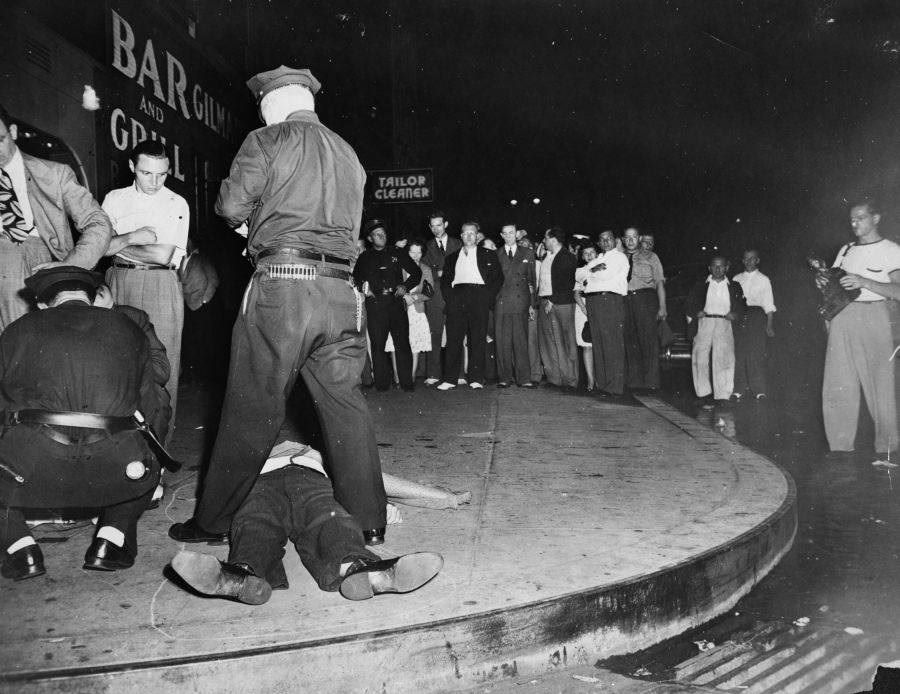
(72,376)
(299,189)
(379,274)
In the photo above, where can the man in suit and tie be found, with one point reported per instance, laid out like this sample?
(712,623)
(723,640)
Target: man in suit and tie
(470,282)
(516,305)
(436,252)
(37,198)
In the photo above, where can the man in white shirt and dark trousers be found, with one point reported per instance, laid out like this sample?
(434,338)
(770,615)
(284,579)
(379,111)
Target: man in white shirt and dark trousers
(859,338)
(713,306)
(151,226)
(752,334)
(470,281)
(605,281)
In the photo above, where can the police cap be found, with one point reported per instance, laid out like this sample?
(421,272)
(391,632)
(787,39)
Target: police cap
(48,282)
(265,82)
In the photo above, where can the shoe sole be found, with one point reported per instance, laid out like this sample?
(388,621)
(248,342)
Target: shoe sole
(411,572)
(31,573)
(103,565)
(203,573)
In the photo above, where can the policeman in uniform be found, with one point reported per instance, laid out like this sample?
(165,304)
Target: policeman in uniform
(299,188)
(379,275)
(72,376)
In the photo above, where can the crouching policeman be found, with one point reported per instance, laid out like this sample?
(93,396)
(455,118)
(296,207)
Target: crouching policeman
(72,376)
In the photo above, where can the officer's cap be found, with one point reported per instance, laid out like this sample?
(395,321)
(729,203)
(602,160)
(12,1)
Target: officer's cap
(265,82)
(47,282)
(374,224)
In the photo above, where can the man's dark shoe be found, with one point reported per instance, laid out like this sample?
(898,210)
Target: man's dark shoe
(368,577)
(502,384)
(206,574)
(409,388)
(27,562)
(103,555)
(374,536)
(189,531)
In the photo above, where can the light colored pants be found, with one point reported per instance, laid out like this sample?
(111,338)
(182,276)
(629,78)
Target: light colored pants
(559,353)
(859,346)
(159,294)
(17,261)
(714,335)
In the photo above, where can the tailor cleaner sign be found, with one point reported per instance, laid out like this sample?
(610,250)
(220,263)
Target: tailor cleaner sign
(402,185)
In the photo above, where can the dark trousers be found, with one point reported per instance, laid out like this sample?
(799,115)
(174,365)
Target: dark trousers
(641,340)
(297,504)
(534,351)
(467,318)
(74,476)
(606,316)
(286,328)
(750,351)
(511,344)
(434,311)
(387,314)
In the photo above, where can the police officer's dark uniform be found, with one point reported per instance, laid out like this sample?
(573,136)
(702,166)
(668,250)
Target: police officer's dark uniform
(71,378)
(379,273)
(299,187)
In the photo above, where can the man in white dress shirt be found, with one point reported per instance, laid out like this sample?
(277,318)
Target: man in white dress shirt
(752,335)
(605,281)
(151,226)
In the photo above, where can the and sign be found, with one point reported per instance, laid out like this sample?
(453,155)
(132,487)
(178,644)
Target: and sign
(403,185)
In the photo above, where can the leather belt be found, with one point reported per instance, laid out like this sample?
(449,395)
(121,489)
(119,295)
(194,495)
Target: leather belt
(714,315)
(86,420)
(599,293)
(638,291)
(305,255)
(142,266)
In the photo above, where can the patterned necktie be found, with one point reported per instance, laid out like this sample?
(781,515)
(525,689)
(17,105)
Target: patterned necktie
(10,210)
(510,252)
(630,265)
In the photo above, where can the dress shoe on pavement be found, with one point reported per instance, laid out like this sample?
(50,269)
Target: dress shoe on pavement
(446,386)
(461,381)
(189,531)
(432,381)
(475,385)
(206,574)
(368,577)
(27,562)
(502,384)
(374,536)
(409,389)
(529,384)
(103,555)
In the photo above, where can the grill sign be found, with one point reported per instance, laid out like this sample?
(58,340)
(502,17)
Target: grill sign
(406,185)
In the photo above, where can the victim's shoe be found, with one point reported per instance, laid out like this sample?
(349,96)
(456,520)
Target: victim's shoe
(367,577)
(206,574)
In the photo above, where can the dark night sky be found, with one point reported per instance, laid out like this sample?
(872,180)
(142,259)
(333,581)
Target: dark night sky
(676,116)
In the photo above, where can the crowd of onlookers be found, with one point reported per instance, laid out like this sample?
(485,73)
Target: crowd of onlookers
(467,310)
(462,311)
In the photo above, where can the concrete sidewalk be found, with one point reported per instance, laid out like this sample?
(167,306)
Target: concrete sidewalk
(594,529)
